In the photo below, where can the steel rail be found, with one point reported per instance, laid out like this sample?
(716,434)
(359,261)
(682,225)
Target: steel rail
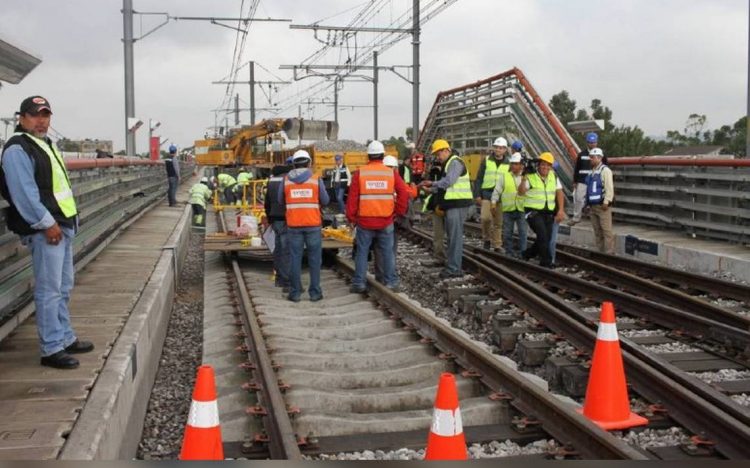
(282,440)
(665,295)
(728,289)
(560,420)
(689,401)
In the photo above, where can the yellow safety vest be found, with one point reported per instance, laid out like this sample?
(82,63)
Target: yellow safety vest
(461,189)
(492,172)
(225,180)
(510,198)
(199,194)
(541,196)
(244,178)
(60,182)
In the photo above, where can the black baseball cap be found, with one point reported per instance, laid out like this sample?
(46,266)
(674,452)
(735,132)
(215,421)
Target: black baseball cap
(34,104)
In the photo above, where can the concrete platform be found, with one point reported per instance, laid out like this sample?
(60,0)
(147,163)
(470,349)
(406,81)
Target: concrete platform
(121,301)
(668,248)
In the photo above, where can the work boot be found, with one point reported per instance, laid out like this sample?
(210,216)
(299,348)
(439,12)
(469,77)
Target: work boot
(79,347)
(60,360)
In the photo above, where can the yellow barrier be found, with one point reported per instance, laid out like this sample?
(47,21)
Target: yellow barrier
(256,190)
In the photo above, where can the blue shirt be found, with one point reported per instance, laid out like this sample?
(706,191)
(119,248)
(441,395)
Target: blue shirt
(19,177)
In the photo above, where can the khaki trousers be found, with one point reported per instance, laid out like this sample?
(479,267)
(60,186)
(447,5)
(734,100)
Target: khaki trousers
(492,223)
(601,221)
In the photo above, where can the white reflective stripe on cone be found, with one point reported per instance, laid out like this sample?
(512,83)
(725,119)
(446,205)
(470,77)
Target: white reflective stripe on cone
(447,423)
(204,414)
(607,332)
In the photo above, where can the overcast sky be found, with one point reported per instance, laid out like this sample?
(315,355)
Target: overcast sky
(653,62)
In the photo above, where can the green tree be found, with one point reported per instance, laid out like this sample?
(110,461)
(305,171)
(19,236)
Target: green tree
(563,107)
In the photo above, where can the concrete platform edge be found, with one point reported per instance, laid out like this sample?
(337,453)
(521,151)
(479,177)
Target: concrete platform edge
(111,423)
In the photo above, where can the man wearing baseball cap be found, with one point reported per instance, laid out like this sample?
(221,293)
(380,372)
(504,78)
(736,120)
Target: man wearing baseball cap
(43,212)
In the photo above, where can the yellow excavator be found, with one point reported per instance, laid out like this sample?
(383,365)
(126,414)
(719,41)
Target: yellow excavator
(254,144)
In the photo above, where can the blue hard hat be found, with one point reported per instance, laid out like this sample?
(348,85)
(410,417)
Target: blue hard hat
(592,138)
(517,145)
(172,149)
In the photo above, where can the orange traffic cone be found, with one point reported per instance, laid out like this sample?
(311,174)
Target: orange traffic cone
(202,440)
(446,440)
(607,403)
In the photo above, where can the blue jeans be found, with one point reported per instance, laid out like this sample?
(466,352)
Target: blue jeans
(172,190)
(511,219)
(53,281)
(385,260)
(454,229)
(299,238)
(281,253)
(340,191)
(553,241)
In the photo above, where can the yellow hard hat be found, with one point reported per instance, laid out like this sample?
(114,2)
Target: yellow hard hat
(438,145)
(547,157)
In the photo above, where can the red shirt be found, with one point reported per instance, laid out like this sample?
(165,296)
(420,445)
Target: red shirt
(352,204)
(417,163)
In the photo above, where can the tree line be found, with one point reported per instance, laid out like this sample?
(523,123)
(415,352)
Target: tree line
(625,140)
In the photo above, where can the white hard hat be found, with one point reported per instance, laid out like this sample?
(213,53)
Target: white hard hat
(390,161)
(596,152)
(515,158)
(500,142)
(410,145)
(375,147)
(301,156)
(204,180)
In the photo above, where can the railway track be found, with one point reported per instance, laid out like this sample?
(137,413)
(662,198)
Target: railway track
(351,373)
(699,407)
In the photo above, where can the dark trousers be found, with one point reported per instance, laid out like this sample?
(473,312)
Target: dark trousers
(541,223)
(199,215)
(172,190)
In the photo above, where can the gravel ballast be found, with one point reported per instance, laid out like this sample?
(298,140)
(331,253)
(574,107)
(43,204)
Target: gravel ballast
(172,392)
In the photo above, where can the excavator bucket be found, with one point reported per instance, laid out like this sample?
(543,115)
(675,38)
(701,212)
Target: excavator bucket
(292,128)
(311,130)
(314,130)
(333,131)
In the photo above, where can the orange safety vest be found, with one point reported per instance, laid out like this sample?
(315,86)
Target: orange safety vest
(302,203)
(376,187)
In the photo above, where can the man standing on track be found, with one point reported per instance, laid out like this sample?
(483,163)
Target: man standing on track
(506,192)
(599,196)
(580,172)
(301,195)
(371,207)
(42,210)
(492,168)
(276,216)
(457,199)
(340,180)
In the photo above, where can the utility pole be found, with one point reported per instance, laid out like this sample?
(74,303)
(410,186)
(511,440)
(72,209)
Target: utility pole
(237,109)
(127,27)
(375,94)
(415,77)
(747,123)
(336,99)
(252,92)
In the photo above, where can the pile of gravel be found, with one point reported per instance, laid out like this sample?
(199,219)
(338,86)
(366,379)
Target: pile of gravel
(339,145)
(170,399)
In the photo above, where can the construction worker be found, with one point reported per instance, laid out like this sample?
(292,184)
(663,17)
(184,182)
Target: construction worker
(200,194)
(301,196)
(243,180)
(457,199)
(580,172)
(544,204)
(400,221)
(227,183)
(506,192)
(340,180)
(276,217)
(371,207)
(172,166)
(490,171)
(430,205)
(599,196)
(418,163)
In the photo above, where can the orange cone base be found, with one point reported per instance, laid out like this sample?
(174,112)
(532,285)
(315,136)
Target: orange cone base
(202,444)
(633,420)
(446,448)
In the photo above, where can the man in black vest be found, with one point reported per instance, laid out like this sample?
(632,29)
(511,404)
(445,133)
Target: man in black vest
(340,180)
(276,216)
(173,174)
(42,211)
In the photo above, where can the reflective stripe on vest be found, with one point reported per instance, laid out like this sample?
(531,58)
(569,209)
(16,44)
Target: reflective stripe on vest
(595,188)
(461,190)
(60,182)
(541,196)
(510,198)
(376,187)
(302,203)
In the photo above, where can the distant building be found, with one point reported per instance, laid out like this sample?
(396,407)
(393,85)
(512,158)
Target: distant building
(704,151)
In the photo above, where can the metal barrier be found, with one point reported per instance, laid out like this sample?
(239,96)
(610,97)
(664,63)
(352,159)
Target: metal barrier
(108,192)
(702,198)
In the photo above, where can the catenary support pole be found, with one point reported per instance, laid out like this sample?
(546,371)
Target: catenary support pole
(416,65)
(127,27)
(252,92)
(375,94)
